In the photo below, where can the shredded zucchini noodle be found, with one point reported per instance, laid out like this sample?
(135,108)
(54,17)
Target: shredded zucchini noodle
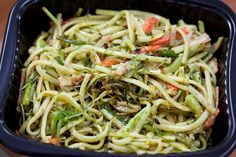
(120,82)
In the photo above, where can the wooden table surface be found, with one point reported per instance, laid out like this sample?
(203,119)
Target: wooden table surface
(5,6)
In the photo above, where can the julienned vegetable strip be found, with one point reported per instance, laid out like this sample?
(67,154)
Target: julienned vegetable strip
(186,46)
(176,128)
(120,81)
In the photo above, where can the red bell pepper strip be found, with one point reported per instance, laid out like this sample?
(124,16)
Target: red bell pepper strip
(149,24)
(165,40)
(171,86)
(210,121)
(185,30)
(150,48)
(109,62)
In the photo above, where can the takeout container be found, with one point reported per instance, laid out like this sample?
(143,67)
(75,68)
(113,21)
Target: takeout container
(27,20)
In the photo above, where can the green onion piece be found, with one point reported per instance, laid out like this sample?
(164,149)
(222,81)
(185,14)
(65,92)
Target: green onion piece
(73,42)
(196,75)
(79,12)
(201,26)
(28,93)
(174,66)
(168,53)
(193,104)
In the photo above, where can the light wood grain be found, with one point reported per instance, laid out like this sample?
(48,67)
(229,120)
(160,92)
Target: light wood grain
(5,6)
(231,4)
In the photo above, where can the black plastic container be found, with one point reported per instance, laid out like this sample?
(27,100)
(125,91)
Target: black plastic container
(27,20)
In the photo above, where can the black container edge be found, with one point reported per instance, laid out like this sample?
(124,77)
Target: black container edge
(7,72)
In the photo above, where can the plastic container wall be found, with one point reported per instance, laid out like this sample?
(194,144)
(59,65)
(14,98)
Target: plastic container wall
(27,20)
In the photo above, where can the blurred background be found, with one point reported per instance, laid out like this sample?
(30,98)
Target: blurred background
(5,7)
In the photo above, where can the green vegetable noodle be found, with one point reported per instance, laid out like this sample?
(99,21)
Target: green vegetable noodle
(28,93)
(193,104)
(120,82)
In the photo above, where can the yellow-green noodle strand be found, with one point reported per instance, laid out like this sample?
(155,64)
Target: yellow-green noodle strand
(124,81)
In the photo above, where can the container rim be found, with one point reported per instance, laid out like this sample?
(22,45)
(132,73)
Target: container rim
(6,72)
